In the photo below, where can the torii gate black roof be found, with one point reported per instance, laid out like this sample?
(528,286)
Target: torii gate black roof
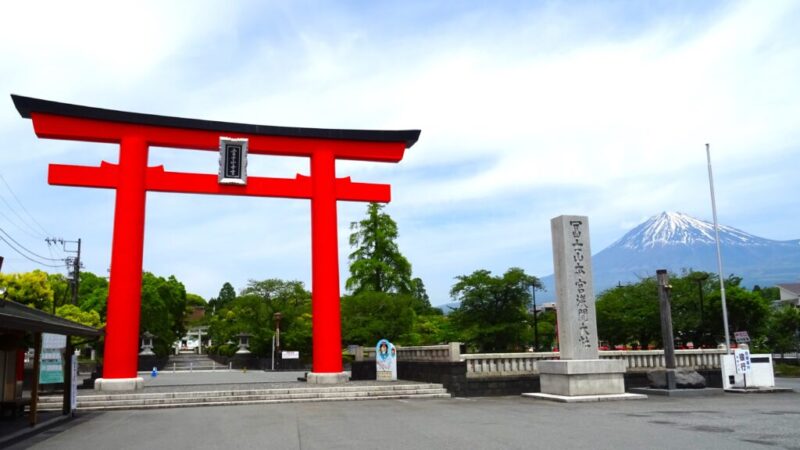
(14,316)
(28,105)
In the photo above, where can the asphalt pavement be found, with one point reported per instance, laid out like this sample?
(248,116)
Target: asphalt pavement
(730,421)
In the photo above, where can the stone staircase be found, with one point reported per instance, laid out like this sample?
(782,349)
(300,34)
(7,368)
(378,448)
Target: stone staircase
(190,362)
(248,397)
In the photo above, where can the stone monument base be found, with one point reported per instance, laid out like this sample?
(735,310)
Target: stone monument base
(119,384)
(581,380)
(584,398)
(327,378)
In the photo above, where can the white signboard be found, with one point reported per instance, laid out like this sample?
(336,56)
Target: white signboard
(741,337)
(385,361)
(74,395)
(290,355)
(742,361)
(52,369)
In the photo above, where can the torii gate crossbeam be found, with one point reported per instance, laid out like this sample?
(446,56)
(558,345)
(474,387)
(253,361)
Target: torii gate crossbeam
(132,178)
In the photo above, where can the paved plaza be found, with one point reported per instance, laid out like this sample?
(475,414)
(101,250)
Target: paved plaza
(731,421)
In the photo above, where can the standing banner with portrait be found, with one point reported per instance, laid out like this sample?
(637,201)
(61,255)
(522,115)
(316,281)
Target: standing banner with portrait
(385,361)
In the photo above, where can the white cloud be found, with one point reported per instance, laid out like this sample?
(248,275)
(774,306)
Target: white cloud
(526,113)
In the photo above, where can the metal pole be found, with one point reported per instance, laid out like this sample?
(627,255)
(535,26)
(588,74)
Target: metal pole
(719,253)
(535,320)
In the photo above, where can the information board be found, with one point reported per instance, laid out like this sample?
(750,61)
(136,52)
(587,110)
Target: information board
(742,360)
(52,366)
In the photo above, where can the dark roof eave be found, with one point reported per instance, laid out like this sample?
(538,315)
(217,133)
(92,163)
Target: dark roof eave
(14,316)
(28,105)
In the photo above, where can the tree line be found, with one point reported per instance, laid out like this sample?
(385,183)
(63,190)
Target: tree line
(384,300)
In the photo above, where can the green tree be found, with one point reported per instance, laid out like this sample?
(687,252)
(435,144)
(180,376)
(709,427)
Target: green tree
(493,314)
(163,310)
(226,295)
(369,316)
(422,303)
(629,314)
(93,293)
(29,288)
(278,292)
(770,293)
(783,332)
(195,300)
(76,314)
(376,264)
(253,313)
(546,326)
(747,311)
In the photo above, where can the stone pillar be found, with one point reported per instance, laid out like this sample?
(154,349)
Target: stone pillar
(579,375)
(572,261)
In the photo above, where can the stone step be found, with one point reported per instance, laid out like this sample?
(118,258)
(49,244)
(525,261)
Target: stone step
(273,391)
(256,396)
(255,402)
(184,367)
(245,397)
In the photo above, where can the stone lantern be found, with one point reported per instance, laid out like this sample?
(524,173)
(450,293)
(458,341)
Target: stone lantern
(147,343)
(244,343)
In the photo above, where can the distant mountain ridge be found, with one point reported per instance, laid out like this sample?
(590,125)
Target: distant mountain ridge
(677,241)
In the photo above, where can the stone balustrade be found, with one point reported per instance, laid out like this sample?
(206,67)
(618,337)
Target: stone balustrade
(515,364)
(444,353)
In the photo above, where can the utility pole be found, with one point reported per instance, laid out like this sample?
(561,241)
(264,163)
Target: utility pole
(76,271)
(73,266)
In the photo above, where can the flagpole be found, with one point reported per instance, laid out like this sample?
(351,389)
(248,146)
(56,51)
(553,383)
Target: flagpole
(719,253)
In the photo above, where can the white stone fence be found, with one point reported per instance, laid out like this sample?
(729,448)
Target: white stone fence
(513,364)
(443,353)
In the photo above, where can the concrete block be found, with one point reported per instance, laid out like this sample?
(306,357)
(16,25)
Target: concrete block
(327,378)
(119,384)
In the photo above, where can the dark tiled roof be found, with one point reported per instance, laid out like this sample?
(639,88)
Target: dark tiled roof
(14,316)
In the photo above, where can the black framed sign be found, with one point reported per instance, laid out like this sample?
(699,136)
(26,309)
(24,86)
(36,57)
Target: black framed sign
(232,161)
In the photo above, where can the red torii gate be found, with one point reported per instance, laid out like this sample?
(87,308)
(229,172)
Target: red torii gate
(132,178)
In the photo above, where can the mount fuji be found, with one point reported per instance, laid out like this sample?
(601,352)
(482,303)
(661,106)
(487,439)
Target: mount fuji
(677,241)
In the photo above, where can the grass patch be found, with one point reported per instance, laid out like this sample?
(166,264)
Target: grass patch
(787,370)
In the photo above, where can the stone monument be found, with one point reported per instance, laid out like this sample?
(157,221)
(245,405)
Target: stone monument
(580,375)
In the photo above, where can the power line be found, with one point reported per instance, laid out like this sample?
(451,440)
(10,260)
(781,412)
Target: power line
(26,256)
(23,229)
(21,205)
(26,249)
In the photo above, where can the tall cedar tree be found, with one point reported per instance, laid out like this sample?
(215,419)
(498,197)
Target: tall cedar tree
(377,265)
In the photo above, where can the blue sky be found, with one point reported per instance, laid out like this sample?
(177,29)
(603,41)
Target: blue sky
(528,110)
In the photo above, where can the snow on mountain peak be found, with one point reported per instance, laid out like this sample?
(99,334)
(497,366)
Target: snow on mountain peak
(676,228)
